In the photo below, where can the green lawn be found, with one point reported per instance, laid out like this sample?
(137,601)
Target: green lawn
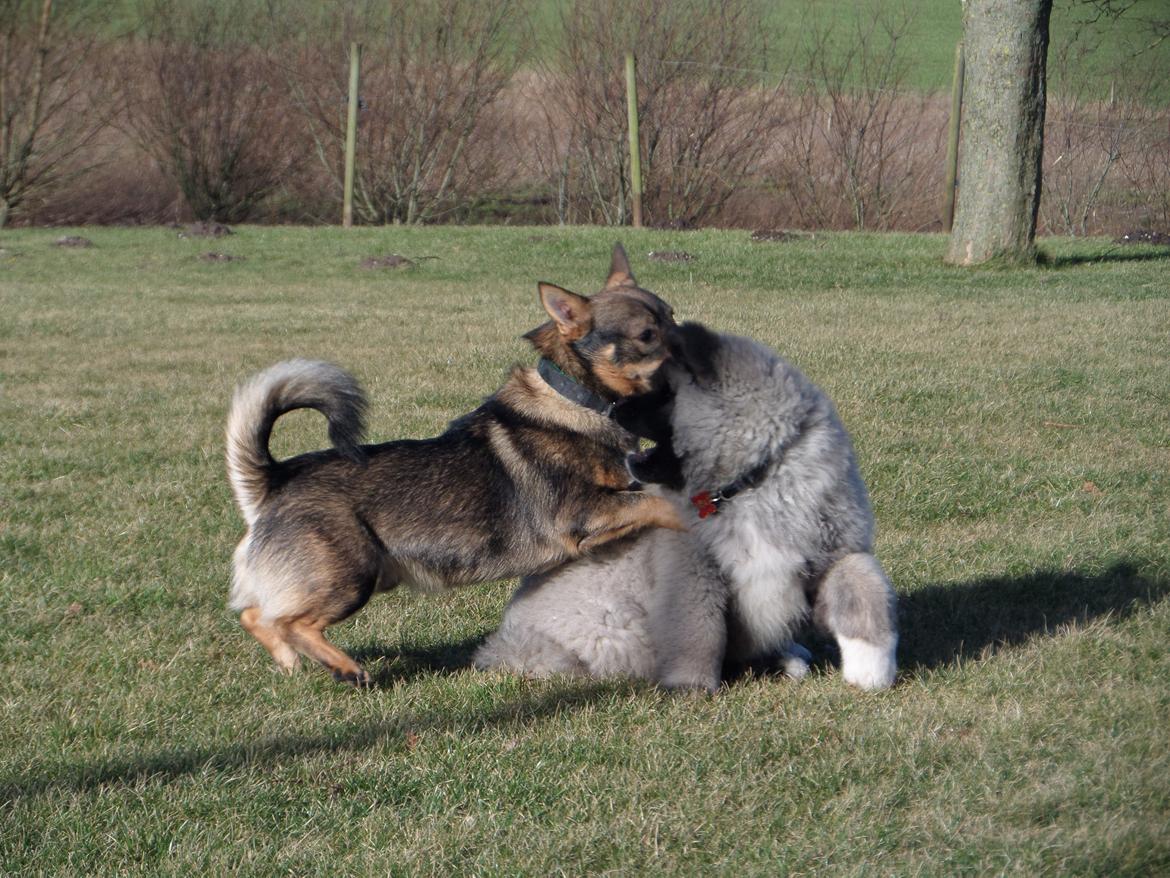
(1013,426)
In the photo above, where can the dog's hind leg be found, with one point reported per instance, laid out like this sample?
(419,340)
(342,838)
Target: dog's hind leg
(271,637)
(307,635)
(856,604)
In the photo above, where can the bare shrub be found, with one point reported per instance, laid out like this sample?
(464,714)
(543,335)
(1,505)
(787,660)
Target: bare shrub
(1106,161)
(1146,168)
(1083,140)
(431,72)
(122,186)
(862,149)
(704,117)
(203,100)
(1082,143)
(48,111)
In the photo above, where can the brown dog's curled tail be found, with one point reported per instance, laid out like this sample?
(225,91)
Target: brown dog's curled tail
(259,401)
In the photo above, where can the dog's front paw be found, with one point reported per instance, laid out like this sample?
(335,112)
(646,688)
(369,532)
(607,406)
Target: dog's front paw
(866,665)
(359,679)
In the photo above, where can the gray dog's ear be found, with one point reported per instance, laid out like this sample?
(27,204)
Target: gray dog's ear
(693,346)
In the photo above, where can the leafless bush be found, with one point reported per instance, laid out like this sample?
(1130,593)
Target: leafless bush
(1084,137)
(1083,142)
(431,72)
(1103,157)
(704,117)
(203,99)
(48,112)
(863,149)
(123,186)
(1146,168)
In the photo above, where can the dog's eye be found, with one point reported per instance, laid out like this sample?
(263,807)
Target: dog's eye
(646,336)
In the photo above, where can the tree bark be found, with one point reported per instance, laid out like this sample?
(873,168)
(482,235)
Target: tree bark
(1006,49)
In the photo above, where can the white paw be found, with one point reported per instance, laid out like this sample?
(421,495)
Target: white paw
(867,665)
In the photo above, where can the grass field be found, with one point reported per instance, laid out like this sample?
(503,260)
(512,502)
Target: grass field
(928,51)
(1014,429)
(1105,48)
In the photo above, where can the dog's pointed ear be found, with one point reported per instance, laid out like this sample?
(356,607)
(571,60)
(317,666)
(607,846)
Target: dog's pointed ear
(619,269)
(571,313)
(693,346)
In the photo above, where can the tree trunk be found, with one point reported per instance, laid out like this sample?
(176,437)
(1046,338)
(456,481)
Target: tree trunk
(1006,49)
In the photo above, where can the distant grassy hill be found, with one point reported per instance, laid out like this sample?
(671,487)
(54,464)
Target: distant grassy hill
(936,26)
(1102,47)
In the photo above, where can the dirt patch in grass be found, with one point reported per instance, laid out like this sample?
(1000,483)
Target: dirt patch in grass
(73,241)
(670,256)
(778,236)
(205,230)
(393,260)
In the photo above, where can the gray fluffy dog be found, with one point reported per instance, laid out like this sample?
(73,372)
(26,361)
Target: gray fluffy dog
(782,528)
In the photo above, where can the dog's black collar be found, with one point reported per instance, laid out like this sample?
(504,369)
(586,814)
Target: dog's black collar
(571,389)
(708,503)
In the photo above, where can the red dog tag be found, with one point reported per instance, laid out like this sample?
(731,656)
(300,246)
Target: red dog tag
(705,504)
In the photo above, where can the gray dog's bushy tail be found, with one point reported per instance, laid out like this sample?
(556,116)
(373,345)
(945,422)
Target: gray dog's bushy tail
(259,401)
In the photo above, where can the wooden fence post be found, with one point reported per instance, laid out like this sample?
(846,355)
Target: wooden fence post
(948,214)
(635,148)
(355,60)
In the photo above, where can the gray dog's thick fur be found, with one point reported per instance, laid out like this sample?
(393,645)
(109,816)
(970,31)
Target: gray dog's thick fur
(648,608)
(666,607)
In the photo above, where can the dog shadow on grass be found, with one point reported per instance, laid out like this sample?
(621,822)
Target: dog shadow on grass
(940,624)
(951,623)
(956,622)
(389,664)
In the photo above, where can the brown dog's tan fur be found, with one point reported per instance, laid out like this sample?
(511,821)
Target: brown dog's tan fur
(525,482)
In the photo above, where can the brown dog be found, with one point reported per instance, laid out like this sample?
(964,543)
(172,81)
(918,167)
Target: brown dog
(532,478)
